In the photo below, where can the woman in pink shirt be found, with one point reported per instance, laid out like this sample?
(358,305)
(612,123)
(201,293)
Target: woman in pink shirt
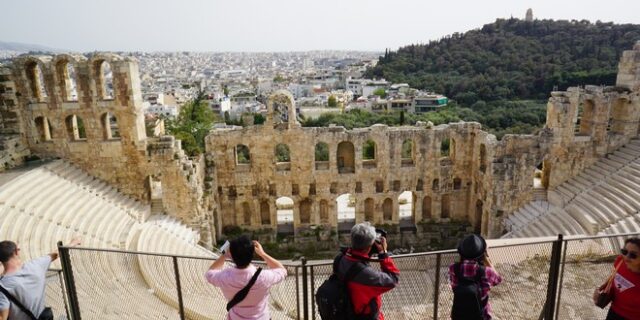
(231,280)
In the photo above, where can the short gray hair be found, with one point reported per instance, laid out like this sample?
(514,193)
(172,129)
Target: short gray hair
(362,236)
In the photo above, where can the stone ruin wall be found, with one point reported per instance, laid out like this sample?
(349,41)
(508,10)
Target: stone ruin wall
(484,179)
(36,98)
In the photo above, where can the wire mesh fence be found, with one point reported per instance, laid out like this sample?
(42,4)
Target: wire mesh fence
(132,285)
(55,296)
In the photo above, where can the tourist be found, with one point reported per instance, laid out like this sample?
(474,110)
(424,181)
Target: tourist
(368,285)
(246,287)
(24,282)
(626,283)
(471,279)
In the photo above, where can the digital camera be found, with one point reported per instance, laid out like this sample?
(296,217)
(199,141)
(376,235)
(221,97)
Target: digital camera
(380,233)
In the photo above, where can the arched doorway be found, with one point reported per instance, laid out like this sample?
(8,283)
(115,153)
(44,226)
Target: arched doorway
(406,209)
(284,215)
(387,210)
(369,207)
(346,204)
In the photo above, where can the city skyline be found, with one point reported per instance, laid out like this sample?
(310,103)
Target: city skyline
(250,26)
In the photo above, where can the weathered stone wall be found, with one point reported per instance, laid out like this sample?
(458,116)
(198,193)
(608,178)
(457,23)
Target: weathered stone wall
(99,129)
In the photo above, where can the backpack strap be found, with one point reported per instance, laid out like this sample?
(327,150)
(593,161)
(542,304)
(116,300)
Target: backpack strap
(18,304)
(240,295)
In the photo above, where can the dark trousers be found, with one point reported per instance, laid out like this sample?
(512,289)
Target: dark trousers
(614,316)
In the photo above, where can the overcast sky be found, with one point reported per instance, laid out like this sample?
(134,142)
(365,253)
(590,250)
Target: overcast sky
(272,25)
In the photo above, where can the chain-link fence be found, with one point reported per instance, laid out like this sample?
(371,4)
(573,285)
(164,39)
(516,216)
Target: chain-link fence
(55,294)
(541,280)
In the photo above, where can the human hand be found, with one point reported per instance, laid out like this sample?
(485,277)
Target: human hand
(258,249)
(382,245)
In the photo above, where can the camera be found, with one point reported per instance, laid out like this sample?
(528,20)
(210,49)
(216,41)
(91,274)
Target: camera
(380,233)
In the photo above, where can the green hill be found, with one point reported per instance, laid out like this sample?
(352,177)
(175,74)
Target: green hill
(512,59)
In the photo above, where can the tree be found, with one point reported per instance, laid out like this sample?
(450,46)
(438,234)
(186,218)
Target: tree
(332,102)
(193,124)
(380,92)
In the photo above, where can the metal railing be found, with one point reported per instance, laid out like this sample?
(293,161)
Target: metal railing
(550,278)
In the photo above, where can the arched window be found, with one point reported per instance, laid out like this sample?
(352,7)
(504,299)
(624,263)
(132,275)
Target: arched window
(282,153)
(110,126)
(36,81)
(305,211)
(75,128)
(387,209)
(322,156)
(67,79)
(346,157)
(444,147)
(445,203)
(43,127)
(369,207)
(457,183)
(478,222)
(324,211)
(407,153)
(617,116)
(242,154)
(483,158)
(265,213)
(104,80)
(426,207)
(369,150)
(435,185)
(246,213)
(283,158)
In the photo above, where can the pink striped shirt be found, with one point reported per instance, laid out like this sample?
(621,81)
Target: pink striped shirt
(254,306)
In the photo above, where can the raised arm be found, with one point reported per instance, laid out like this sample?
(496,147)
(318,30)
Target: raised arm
(271,262)
(4,314)
(219,263)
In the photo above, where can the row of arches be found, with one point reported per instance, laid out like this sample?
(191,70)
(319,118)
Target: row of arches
(345,209)
(585,115)
(67,80)
(75,127)
(345,154)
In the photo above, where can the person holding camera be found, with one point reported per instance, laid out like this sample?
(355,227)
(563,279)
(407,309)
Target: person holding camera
(22,285)
(367,285)
(471,279)
(246,287)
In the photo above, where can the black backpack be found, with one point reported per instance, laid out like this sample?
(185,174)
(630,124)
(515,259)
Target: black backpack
(467,296)
(332,297)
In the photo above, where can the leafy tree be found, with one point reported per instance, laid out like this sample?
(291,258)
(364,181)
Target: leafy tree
(193,124)
(380,92)
(332,101)
(512,58)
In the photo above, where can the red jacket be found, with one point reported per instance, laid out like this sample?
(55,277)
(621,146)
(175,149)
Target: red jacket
(367,287)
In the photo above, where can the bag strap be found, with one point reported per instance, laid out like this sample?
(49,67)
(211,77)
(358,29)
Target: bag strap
(17,303)
(240,295)
(353,270)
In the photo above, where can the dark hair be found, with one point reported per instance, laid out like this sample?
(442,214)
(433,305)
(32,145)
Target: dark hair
(634,240)
(7,249)
(241,251)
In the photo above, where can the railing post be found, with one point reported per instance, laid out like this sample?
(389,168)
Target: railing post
(436,288)
(69,283)
(179,287)
(313,292)
(305,290)
(554,275)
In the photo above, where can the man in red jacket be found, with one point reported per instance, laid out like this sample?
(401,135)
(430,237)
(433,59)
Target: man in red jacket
(367,287)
